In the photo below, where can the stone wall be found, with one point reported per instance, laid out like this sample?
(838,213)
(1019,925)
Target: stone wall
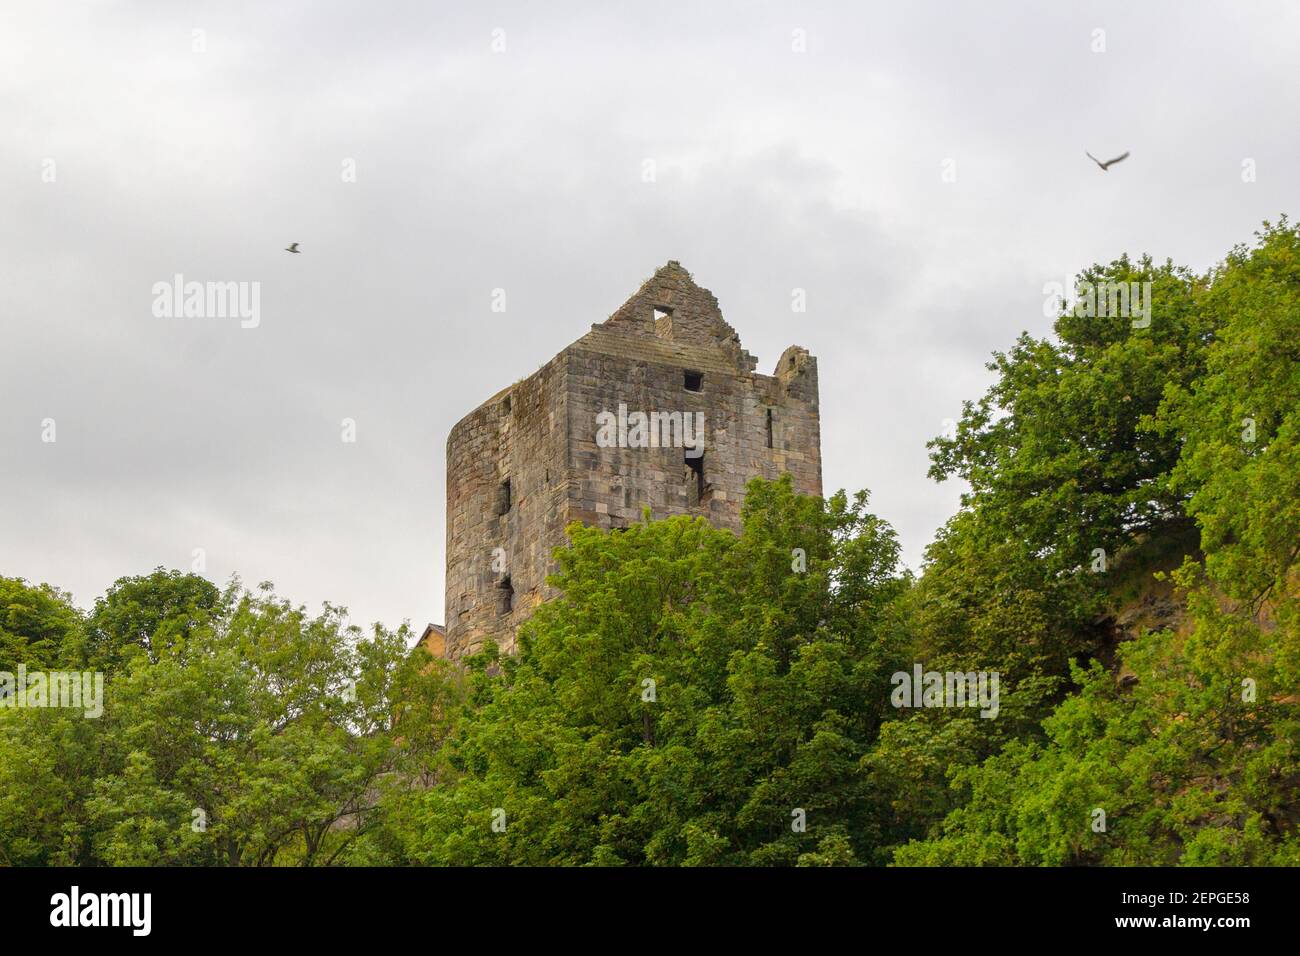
(499,535)
(667,351)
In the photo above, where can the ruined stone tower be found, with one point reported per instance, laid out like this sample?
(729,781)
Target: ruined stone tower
(609,426)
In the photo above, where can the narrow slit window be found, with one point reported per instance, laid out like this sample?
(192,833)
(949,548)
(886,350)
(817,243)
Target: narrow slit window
(503,498)
(694,381)
(769,428)
(505,596)
(695,479)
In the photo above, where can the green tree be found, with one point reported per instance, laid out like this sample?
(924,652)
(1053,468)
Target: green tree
(694,698)
(37,624)
(147,613)
(49,761)
(1055,452)
(1196,763)
(1194,758)
(1239,424)
(248,734)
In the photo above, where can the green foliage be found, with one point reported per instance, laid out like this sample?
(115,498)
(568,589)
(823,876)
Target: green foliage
(49,761)
(147,614)
(240,732)
(1195,756)
(1240,423)
(1062,466)
(701,698)
(685,700)
(36,622)
(1184,769)
(1055,453)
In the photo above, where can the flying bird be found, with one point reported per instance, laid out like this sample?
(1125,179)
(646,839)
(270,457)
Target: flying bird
(293,246)
(1104,166)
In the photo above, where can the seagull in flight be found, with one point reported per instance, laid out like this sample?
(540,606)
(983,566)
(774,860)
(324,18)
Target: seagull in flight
(1104,166)
(293,246)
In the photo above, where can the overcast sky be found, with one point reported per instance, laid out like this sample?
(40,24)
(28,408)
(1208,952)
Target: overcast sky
(794,145)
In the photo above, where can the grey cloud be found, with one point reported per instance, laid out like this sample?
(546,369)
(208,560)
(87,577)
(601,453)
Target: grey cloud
(522,171)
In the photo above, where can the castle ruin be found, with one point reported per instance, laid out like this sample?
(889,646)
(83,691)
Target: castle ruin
(658,407)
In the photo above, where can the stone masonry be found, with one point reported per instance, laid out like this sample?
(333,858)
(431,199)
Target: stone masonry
(539,455)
